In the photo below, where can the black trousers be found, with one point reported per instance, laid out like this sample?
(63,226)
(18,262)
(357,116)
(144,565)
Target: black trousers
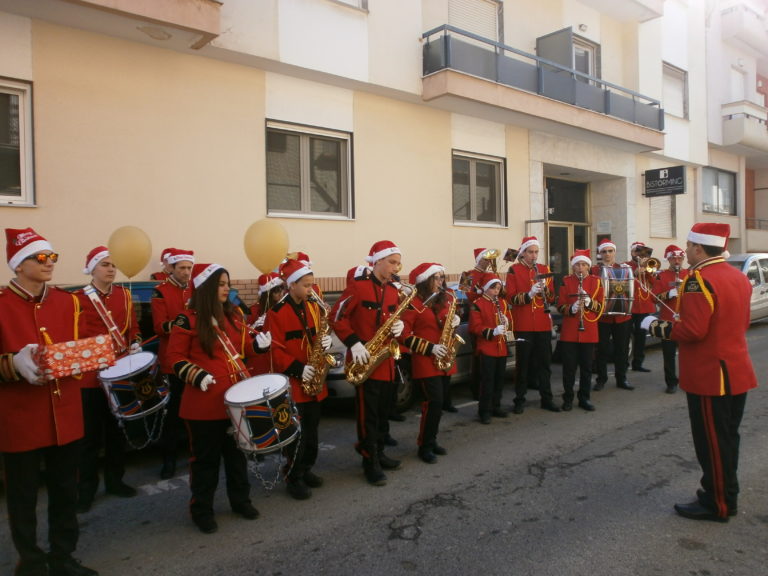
(373,404)
(431,410)
(210,443)
(639,336)
(534,360)
(169,440)
(22,480)
(618,335)
(492,374)
(101,429)
(447,396)
(669,350)
(302,452)
(577,354)
(715,424)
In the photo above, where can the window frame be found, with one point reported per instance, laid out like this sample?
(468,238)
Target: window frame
(23,90)
(593,49)
(668,70)
(717,209)
(501,193)
(305,133)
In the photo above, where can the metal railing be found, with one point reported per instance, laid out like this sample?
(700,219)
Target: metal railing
(448,47)
(756,224)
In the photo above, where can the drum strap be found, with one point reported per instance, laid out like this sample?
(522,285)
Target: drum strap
(234,356)
(106,317)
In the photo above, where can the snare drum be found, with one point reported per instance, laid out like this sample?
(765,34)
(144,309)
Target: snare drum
(619,287)
(131,387)
(263,413)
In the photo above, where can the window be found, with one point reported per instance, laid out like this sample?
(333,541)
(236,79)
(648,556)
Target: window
(308,171)
(16,167)
(663,216)
(481,17)
(585,58)
(719,193)
(478,190)
(675,91)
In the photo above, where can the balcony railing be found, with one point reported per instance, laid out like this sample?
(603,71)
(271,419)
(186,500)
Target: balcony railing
(447,47)
(756,224)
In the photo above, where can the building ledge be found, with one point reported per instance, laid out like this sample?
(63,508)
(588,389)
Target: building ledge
(745,128)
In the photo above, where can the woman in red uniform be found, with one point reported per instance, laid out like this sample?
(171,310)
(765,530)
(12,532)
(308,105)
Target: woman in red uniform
(424,322)
(271,291)
(580,302)
(206,348)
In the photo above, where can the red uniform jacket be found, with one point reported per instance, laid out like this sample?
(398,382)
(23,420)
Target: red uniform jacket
(169,299)
(530,315)
(711,332)
(569,332)
(293,328)
(363,307)
(483,318)
(423,328)
(474,292)
(665,281)
(120,307)
(33,416)
(191,364)
(260,363)
(644,303)
(612,318)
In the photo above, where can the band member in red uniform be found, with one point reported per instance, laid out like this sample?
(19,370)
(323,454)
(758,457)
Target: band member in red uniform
(489,322)
(666,287)
(162,276)
(424,321)
(365,306)
(580,302)
(170,299)
(612,327)
(107,309)
(293,323)
(644,303)
(715,368)
(530,293)
(40,420)
(271,291)
(206,348)
(471,284)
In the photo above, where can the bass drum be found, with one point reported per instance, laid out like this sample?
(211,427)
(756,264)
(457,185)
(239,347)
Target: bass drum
(619,287)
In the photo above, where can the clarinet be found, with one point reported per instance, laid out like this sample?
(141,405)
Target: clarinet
(581,301)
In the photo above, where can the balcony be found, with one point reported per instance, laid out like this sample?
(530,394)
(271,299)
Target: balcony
(744,28)
(745,131)
(460,64)
(628,10)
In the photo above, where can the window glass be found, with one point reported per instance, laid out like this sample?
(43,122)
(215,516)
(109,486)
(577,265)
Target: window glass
(325,175)
(16,169)
(462,209)
(478,190)
(675,91)
(719,191)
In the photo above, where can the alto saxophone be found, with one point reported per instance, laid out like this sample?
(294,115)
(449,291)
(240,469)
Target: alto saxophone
(449,339)
(382,345)
(318,358)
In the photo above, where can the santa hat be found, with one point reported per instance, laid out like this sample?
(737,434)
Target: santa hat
(479,254)
(21,244)
(176,255)
(605,244)
(423,271)
(489,279)
(357,272)
(269,282)
(94,257)
(300,256)
(710,234)
(529,241)
(293,270)
(381,249)
(672,250)
(201,272)
(581,256)
(165,253)
(637,244)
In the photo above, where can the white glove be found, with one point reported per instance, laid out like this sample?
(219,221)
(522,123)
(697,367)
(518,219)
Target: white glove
(672,294)
(455,321)
(326,342)
(575,307)
(587,300)
(25,364)
(260,321)
(263,340)
(308,373)
(134,348)
(647,321)
(207,382)
(438,350)
(359,353)
(397,328)
(499,330)
(534,291)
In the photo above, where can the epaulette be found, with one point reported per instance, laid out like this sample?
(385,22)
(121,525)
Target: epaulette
(182,321)
(475,306)
(156,293)
(279,304)
(691,284)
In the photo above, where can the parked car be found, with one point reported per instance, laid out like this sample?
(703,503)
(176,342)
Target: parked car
(338,387)
(755,268)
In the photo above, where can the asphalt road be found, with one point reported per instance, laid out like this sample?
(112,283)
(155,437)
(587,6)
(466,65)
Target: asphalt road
(541,494)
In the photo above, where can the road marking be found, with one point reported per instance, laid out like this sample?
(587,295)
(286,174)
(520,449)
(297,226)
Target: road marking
(164,486)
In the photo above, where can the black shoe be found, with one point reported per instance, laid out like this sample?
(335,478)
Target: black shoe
(518,408)
(428,456)
(551,406)
(206,524)
(696,511)
(84,503)
(298,489)
(397,417)
(388,463)
(439,450)
(389,441)
(499,413)
(68,566)
(312,480)
(731,511)
(169,468)
(246,510)
(625,386)
(671,388)
(567,406)
(640,369)
(121,489)
(598,386)
(586,405)
(373,474)
(485,418)
(450,408)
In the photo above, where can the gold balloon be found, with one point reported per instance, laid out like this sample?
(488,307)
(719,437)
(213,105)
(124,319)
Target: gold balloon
(130,250)
(266,243)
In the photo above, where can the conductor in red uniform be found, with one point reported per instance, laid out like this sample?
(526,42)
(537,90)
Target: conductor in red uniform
(40,420)
(643,304)
(715,368)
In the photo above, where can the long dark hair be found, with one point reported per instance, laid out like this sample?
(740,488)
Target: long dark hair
(424,291)
(205,301)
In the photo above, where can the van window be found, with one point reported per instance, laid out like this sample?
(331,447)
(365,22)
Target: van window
(753,274)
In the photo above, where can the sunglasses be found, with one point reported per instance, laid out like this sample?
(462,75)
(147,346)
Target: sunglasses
(42,258)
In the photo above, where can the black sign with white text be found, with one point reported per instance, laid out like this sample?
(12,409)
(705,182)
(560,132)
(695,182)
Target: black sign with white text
(665,181)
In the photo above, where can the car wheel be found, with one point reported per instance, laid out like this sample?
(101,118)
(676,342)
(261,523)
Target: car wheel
(404,384)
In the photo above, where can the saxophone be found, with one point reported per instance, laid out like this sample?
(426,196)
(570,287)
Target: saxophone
(449,339)
(318,358)
(382,345)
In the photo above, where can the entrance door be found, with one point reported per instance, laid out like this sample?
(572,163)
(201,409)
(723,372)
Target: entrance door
(567,228)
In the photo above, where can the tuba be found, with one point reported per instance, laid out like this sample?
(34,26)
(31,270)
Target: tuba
(449,339)
(318,358)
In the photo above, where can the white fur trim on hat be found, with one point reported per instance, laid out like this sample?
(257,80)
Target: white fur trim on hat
(382,254)
(205,274)
(298,274)
(27,251)
(273,283)
(93,262)
(529,243)
(606,245)
(490,283)
(184,257)
(431,271)
(580,258)
(707,239)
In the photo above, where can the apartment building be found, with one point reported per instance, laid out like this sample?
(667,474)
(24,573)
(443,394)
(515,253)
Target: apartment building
(443,125)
